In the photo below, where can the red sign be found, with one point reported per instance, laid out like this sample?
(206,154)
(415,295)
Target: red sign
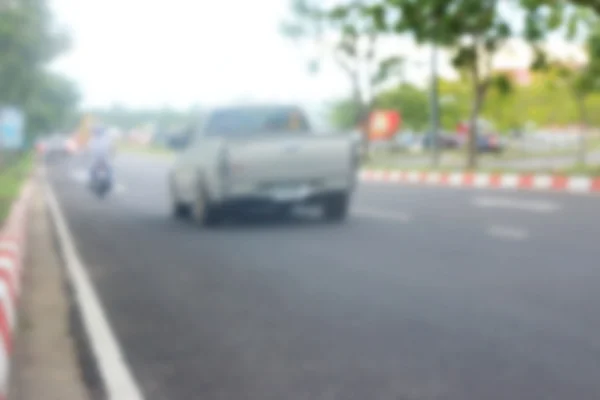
(462,129)
(383,124)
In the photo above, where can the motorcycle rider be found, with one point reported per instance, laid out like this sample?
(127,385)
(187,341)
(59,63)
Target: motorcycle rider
(101,149)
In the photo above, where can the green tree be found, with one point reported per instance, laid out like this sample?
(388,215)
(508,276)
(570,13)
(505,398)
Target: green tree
(342,114)
(29,40)
(454,103)
(580,81)
(591,4)
(348,34)
(52,104)
(410,101)
(473,30)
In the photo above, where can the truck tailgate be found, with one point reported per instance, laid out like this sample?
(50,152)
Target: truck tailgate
(290,158)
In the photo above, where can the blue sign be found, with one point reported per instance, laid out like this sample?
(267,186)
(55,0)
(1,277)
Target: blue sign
(11,129)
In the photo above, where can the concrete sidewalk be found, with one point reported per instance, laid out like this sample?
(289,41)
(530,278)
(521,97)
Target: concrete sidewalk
(45,362)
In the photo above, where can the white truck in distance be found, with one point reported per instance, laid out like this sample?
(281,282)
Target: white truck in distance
(262,157)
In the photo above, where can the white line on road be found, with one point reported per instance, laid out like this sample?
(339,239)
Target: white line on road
(539,206)
(117,377)
(80,175)
(120,188)
(507,232)
(382,214)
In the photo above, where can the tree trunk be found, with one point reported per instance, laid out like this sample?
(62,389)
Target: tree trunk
(583,122)
(362,112)
(479,94)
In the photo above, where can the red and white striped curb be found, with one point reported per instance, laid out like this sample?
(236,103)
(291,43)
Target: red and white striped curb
(574,184)
(12,251)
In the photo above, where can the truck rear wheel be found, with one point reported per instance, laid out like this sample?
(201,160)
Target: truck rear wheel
(335,207)
(179,210)
(204,212)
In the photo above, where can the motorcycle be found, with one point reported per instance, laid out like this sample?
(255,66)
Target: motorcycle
(101,178)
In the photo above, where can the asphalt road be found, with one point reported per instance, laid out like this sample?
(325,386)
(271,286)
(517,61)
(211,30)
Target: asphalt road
(424,293)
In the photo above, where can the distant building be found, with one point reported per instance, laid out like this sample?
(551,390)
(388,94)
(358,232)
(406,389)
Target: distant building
(519,76)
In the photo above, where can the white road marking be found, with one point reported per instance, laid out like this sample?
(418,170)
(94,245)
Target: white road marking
(433,178)
(413,176)
(11,266)
(10,245)
(455,179)
(7,304)
(579,184)
(4,369)
(395,176)
(509,181)
(377,176)
(80,175)
(120,188)
(381,214)
(507,232)
(117,377)
(542,182)
(481,180)
(539,206)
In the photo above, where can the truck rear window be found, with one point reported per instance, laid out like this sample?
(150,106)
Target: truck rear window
(240,122)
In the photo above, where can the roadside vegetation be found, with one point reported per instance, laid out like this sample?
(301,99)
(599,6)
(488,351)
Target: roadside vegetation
(559,92)
(592,171)
(13,172)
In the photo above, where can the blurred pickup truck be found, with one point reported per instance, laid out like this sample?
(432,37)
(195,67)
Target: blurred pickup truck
(265,158)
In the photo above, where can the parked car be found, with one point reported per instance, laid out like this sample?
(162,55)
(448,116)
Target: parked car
(489,143)
(446,141)
(178,141)
(262,157)
(406,141)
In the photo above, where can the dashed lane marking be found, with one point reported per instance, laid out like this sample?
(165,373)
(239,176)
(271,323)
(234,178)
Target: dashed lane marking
(507,232)
(539,206)
(393,216)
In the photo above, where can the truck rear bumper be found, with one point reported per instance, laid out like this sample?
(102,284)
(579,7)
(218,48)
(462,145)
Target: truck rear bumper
(261,202)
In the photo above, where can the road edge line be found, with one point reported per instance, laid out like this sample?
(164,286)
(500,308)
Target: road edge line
(116,376)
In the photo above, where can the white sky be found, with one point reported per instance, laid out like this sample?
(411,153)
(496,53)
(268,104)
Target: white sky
(181,52)
(144,53)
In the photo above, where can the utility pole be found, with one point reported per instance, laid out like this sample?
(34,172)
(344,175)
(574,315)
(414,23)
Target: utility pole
(434,104)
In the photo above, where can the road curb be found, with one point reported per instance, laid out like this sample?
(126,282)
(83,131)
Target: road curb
(13,245)
(556,183)
(116,378)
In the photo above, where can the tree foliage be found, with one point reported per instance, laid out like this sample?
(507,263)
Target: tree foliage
(53,103)
(29,40)
(546,101)
(348,34)
(410,102)
(473,30)
(343,114)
